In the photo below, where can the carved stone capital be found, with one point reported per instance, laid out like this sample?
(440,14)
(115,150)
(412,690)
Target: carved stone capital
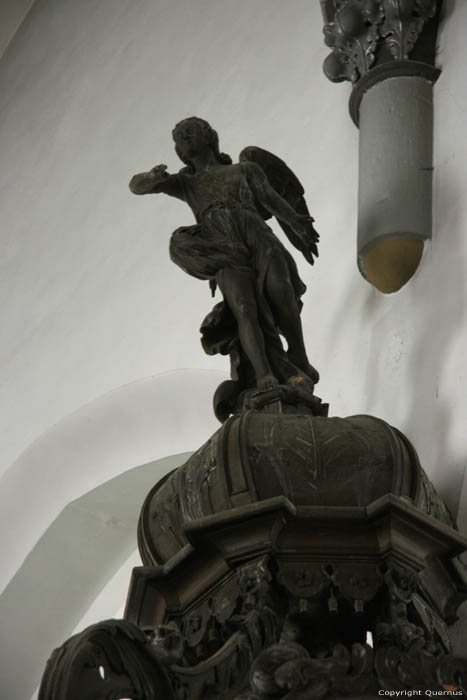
(365,34)
(403,23)
(386,49)
(352,31)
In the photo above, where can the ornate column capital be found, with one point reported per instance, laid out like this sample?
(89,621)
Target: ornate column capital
(376,39)
(387,49)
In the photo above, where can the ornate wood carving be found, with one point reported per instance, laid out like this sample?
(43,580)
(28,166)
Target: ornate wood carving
(257,591)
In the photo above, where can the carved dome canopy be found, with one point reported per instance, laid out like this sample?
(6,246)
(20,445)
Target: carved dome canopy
(306,460)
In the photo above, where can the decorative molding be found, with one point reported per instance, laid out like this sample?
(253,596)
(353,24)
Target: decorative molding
(373,41)
(392,69)
(366,34)
(353,35)
(403,24)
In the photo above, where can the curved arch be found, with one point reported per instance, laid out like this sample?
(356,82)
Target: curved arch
(70,564)
(137,423)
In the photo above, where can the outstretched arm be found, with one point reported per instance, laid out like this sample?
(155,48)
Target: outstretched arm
(157,180)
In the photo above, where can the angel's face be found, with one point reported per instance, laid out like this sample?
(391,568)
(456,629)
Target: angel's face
(191,139)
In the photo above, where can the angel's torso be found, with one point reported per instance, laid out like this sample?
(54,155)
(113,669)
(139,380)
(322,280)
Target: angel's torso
(221,186)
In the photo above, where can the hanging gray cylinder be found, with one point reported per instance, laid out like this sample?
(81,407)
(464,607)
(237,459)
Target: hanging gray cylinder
(395,179)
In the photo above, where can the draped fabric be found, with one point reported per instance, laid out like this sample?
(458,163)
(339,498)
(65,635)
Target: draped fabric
(231,236)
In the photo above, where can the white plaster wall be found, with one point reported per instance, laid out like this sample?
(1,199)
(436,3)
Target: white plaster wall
(90,93)
(12,13)
(61,581)
(137,423)
(90,302)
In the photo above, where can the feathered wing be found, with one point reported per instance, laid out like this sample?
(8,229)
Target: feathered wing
(288,186)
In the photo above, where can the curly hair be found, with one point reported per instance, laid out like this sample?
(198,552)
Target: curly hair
(212,139)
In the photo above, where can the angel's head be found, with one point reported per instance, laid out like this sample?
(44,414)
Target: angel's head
(192,136)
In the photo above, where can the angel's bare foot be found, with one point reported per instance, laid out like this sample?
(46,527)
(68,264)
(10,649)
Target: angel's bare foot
(308,369)
(302,384)
(267,382)
(313,374)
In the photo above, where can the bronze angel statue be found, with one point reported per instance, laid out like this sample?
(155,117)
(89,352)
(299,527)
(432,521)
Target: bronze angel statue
(233,248)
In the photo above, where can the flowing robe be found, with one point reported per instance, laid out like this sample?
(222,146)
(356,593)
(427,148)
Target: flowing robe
(231,233)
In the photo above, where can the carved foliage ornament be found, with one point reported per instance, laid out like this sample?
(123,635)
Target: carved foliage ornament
(268,648)
(403,23)
(286,671)
(360,28)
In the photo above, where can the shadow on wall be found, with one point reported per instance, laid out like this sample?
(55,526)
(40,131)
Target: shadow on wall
(433,370)
(71,563)
(412,355)
(134,424)
(400,355)
(70,506)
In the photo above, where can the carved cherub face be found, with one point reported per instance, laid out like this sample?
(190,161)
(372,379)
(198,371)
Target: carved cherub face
(166,643)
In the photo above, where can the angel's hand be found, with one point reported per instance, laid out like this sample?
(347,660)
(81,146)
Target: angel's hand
(158,172)
(303,227)
(157,180)
(144,183)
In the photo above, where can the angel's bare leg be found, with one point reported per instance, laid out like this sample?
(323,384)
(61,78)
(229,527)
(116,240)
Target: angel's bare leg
(283,301)
(239,292)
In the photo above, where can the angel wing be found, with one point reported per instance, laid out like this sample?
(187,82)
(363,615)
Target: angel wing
(288,186)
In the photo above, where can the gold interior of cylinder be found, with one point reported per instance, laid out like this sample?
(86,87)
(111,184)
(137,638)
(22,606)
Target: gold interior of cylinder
(390,263)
